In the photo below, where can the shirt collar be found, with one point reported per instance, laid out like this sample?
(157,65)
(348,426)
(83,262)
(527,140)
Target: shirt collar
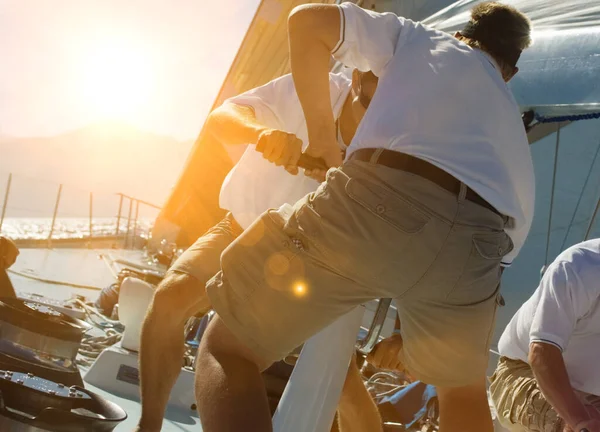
(490,59)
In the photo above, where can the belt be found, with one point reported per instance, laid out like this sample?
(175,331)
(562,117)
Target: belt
(422,168)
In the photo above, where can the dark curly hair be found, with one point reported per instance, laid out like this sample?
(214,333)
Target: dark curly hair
(500,30)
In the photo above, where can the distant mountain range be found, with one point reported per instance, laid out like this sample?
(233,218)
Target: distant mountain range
(104,158)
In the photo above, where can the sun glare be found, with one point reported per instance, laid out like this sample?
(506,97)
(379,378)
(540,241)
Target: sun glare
(300,289)
(117,78)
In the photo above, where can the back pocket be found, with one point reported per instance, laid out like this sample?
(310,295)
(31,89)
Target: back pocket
(388,205)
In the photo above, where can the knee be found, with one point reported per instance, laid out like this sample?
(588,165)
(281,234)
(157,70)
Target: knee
(175,294)
(221,344)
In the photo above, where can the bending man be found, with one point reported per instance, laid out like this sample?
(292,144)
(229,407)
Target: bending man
(436,191)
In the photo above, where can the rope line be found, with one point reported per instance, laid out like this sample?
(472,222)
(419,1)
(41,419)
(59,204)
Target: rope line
(53,281)
(552,195)
(562,246)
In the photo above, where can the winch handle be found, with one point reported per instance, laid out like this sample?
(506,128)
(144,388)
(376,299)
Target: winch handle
(310,162)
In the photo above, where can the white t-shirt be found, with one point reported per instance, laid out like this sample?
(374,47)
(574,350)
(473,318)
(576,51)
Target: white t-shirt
(255,185)
(564,311)
(444,102)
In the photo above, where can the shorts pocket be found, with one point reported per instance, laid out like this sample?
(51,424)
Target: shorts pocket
(480,278)
(492,245)
(388,205)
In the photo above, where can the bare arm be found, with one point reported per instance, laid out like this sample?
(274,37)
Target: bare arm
(314,31)
(234,124)
(549,369)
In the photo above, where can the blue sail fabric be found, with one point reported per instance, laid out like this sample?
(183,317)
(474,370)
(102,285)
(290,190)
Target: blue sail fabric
(561,66)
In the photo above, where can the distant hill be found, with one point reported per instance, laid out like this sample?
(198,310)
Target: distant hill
(104,158)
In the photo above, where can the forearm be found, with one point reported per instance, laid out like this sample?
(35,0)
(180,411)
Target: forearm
(233,124)
(313,33)
(551,375)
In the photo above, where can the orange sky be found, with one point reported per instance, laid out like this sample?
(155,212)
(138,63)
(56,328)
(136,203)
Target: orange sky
(154,63)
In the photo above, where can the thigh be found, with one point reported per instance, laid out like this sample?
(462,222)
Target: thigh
(448,319)
(202,259)
(446,345)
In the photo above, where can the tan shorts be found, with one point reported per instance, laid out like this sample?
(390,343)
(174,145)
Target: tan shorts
(202,259)
(369,232)
(520,404)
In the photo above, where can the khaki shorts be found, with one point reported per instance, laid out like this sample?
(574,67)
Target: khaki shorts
(202,259)
(520,404)
(369,232)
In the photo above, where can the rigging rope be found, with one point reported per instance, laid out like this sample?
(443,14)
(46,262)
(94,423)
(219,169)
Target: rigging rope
(558,127)
(566,118)
(589,229)
(53,281)
(91,346)
(562,246)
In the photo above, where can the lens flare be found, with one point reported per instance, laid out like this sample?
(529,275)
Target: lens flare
(300,289)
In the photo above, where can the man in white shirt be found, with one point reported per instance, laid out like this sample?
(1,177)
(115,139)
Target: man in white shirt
(436,191)
(271,117)
(548,376)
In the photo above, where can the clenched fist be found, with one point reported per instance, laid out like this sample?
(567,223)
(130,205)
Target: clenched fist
(280,148)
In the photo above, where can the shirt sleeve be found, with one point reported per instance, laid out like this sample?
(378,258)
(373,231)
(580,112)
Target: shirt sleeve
(276,104)
(368,39)
(564,299)
(270,102)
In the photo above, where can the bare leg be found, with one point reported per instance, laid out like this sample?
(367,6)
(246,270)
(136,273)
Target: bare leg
(230,391)
(177,298)
(465,409)
(357,411)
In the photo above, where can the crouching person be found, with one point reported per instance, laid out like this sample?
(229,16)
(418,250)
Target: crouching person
(548,375)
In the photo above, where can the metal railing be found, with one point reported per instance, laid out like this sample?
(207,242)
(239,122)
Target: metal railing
(37,193)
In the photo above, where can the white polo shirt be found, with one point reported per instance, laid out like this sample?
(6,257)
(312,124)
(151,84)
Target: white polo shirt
(444,102)
(255,184)
(564,311)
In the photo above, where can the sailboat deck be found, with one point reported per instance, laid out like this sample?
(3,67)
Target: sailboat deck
(54,273)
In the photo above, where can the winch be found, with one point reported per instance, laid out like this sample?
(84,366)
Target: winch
(30,404)
(38,339)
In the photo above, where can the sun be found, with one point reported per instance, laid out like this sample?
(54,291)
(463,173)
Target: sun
(117,78)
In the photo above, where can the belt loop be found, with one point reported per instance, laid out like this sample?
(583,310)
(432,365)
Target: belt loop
(463,192)
(375,156)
